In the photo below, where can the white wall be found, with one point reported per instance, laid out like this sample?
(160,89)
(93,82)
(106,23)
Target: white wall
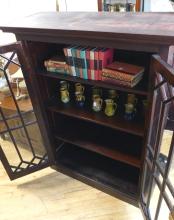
(158,6)
(12,9)
(17,8)
(78,5)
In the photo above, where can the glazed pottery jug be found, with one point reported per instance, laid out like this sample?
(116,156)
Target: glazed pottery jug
(131,98)
(79,88)
(64,95)
(110,107)
(96,91)
(80,99)
(129,111)
(112,94)
(64,84)
(97,103)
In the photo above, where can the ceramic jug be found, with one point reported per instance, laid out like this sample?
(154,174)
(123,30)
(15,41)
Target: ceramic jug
(130,111)
(80,99)
(79,88)
(97,103)
(64,95)
(110,107)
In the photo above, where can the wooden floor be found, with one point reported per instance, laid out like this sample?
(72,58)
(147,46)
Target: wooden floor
(49,195)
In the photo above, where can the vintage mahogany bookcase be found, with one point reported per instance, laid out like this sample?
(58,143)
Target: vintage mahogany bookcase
(119,157)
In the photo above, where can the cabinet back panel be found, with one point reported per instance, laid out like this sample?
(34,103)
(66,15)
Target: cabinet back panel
(125,143)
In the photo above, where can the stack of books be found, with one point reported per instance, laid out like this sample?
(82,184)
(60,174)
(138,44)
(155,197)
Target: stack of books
(57,64)
(122,74)
(87,62)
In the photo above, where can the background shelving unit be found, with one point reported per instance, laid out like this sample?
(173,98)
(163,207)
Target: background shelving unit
(102,4)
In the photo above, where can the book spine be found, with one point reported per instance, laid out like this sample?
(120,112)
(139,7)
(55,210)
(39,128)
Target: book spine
(121,82)
(54,65)
(96,64)
(79,62)
(50,62)
(67,60)
(107,57)
(120,75)
(117,75)
(100,64)
(84,63)
(88,63)
(116,82)
(70,57)
(75,61)
(55,70)
(92,64)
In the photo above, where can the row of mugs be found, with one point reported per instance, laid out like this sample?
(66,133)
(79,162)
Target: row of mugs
(79,89)
(97,101)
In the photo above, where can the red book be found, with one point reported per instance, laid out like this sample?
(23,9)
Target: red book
(92,63)
(105,58)
(88,62)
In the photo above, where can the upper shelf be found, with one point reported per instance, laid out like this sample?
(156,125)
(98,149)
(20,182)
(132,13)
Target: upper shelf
(147,28)
(140,89)
(116,122)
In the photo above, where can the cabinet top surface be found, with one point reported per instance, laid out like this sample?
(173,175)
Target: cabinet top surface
(147,26)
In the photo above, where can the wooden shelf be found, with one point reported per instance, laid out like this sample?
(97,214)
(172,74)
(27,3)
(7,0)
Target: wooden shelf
(113,144)
(102,148)
(116,122)
(99,171)
(140,89)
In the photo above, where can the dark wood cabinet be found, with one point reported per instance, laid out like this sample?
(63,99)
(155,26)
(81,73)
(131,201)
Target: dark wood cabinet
(122,158)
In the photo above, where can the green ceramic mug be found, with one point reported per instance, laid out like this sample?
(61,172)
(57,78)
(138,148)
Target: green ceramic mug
(64,95)
(110,107)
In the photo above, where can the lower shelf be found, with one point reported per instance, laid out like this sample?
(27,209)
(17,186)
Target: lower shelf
(111,176)
(105,141)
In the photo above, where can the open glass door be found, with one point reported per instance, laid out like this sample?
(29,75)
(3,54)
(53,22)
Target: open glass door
(157,198)
(21,147)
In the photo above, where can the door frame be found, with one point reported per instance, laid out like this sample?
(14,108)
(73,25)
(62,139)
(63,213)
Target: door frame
(48,158)
(162,80)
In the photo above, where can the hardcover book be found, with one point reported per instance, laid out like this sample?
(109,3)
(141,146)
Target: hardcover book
(96,63)
(121,82)
(56,64)
(55,60)
(72,53)
(59,70)
(105,58)
(125,68)
(68,56)
(84,62)
(92,63)
(123,71)
(87,51)
(78,62)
